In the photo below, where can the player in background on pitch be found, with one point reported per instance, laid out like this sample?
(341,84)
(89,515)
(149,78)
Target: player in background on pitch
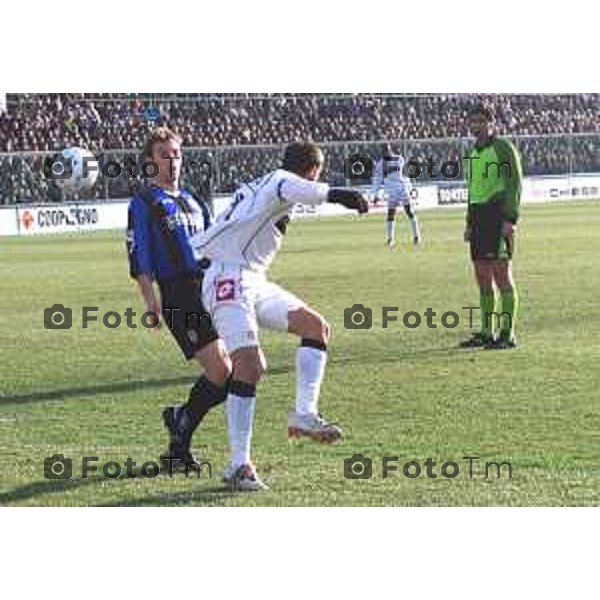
(494,177)
(390,180)
(163,218)
(241,247)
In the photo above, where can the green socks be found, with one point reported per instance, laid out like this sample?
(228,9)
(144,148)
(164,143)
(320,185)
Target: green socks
(510,305)
(487,304)
(507,316)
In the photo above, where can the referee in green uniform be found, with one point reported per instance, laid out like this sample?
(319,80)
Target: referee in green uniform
(494,176)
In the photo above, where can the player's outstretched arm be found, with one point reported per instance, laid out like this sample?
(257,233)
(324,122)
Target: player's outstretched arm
(349,198)
(296,190)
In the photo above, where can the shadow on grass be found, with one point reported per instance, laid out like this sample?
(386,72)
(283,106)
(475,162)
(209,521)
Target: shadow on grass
(40,488)
(210,495)
(151,384)
(96,390)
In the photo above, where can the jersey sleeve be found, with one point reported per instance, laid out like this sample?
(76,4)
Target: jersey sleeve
(139,240)
(513,182)
(296,190)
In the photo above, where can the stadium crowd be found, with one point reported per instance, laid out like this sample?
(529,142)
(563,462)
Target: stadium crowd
(224,122)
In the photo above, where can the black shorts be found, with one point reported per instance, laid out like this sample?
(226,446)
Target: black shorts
(185,314)
(487,240)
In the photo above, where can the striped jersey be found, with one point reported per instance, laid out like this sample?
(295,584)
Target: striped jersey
(161,226)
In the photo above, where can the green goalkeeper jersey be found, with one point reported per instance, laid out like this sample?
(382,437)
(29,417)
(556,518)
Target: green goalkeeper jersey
(494,174)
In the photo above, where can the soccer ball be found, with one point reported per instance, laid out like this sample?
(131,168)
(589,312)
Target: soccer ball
(74,169)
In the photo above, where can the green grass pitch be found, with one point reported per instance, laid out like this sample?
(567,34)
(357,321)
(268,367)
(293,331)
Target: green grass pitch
(397,392)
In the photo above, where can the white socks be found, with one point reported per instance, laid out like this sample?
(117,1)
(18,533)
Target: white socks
(240,416)
(390,227)
(414,224)
(310,370)
(311,359)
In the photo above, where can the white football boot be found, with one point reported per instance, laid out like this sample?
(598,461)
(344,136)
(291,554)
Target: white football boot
(243,479)
(314,427)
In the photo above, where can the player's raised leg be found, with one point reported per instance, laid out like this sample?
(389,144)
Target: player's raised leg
(279,310)
(311,360)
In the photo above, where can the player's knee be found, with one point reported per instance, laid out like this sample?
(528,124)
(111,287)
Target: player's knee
(249,365)
(409,212)
(317,328)
(310,325)
(506,287)
(326,331)
(485,275)
(503,277)
(219,372)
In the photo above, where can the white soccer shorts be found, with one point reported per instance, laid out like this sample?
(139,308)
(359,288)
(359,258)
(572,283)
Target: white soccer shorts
(397,198)
(240,301)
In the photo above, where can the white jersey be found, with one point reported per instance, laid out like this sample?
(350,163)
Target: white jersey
(250,232)
(389,176)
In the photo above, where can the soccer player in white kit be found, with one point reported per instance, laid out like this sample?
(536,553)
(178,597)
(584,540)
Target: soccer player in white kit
(241,246)
(390,179)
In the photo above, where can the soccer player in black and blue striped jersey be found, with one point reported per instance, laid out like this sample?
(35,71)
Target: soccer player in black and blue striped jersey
(163,219)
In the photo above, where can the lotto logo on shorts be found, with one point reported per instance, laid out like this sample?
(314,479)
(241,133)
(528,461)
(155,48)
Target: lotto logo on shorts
(225,290)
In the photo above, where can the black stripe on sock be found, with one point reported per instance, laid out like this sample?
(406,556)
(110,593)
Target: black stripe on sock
(316,344)
(244,390)
(205,395)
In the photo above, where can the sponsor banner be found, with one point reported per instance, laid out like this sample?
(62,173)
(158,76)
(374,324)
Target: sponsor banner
(8,221)
(75,217)
(452,195)
(580,187)
(427,197)
(535,189)
(71,217)
(423,198)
